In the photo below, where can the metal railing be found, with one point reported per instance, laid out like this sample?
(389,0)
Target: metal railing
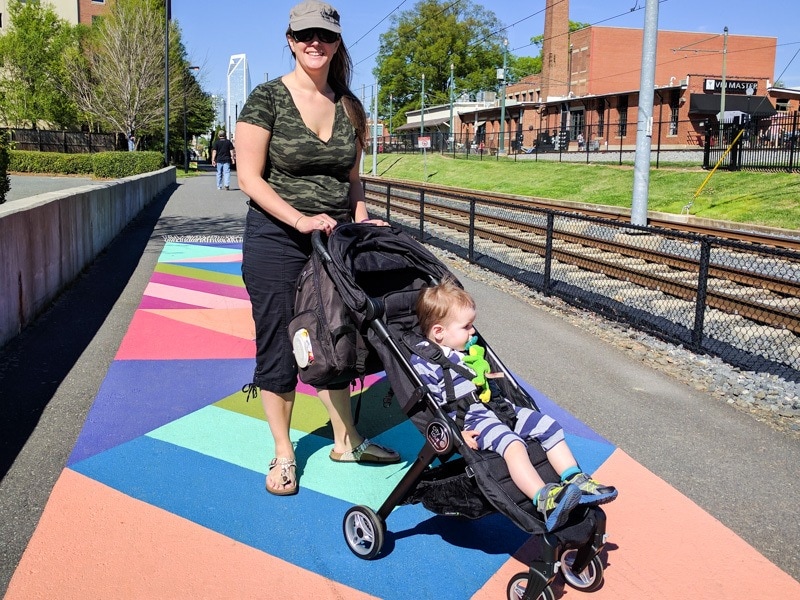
(766,143)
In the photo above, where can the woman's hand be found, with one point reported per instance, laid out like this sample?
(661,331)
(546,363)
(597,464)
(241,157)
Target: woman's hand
(309,223)
(378,222)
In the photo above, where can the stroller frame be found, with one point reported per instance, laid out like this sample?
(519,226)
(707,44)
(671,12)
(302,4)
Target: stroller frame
(574,549)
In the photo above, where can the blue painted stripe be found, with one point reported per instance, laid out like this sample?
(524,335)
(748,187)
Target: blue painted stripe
(425,556)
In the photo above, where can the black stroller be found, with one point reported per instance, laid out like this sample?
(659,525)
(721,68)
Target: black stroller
(378,272)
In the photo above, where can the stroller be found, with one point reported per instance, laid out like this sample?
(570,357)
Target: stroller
(378,272)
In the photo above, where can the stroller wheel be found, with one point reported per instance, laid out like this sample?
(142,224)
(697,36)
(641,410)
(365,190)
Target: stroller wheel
(519,583)
(588,580)
(363,531)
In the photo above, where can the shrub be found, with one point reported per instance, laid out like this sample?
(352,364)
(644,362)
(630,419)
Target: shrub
(28,161)
(110,165)
(124,164)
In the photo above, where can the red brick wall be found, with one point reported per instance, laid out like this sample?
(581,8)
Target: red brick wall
(555,49)
(88,9)
(613,58)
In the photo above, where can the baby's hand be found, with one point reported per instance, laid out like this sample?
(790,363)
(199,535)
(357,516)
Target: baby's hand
(471,438)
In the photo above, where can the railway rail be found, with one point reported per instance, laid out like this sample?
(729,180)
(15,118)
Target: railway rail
(731,293)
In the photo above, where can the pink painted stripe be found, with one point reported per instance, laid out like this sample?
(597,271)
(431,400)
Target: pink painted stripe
(168,292)
(304,388)
(150,303)
(210,259)
(210,287)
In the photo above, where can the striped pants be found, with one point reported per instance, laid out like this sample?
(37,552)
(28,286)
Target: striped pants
(494,435)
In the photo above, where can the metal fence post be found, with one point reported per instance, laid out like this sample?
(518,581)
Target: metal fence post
(388,201)
(422,215)
(702,292)
(548,254)
(471,248)
(793,142)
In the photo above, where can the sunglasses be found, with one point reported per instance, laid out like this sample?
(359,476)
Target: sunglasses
(323,35)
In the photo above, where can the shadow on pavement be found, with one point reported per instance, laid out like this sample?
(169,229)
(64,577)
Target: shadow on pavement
(34,364)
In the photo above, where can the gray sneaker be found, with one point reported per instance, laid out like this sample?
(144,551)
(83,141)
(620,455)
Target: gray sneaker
(592,492)
(556,501)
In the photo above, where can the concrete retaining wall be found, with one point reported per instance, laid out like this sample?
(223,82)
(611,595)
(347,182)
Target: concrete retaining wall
(47,240)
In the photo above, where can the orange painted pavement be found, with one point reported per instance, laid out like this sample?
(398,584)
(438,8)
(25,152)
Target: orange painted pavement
(662,546)
(176,339)
(237,322)
(95,542)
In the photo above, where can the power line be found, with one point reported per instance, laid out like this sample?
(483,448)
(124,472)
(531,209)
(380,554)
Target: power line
(378,23)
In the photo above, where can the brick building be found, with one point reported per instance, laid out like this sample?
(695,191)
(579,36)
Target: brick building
(72,11)
(590,80)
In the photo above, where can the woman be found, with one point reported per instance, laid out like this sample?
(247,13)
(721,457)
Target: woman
(298,140)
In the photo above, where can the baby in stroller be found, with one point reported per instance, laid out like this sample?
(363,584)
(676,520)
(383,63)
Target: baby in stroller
(446,314)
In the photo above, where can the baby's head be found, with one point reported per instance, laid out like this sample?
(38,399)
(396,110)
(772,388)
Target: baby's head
(446,314)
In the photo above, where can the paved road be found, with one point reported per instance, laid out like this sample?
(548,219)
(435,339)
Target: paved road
(697,456)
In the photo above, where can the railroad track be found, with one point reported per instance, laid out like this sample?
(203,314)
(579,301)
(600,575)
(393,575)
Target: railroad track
(743,278)
(751,235)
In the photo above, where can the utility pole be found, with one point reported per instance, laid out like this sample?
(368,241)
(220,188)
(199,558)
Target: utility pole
(724,85)
(375,130)
(501,145)
(644,127)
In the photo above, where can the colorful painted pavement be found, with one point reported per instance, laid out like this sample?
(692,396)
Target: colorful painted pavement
(163,495)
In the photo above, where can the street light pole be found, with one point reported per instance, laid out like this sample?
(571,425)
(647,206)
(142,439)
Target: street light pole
(452,87)
(422,112)
(185,135)
(167,16)
(501,145)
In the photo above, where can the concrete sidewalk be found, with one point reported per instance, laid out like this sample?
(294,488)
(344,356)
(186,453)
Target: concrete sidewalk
(706,492)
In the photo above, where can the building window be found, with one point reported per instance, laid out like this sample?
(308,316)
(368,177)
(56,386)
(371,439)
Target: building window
(674,108)
(622,108)
(601,123)
(577,120)
(782,104)
(98,1)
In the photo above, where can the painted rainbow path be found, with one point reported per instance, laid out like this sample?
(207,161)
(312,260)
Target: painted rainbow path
(163,495)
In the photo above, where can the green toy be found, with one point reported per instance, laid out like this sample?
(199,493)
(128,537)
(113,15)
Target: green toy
(475,360)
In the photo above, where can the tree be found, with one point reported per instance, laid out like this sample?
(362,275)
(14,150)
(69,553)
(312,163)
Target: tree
(31,65)
(573,26)
(428,39)
(117,75)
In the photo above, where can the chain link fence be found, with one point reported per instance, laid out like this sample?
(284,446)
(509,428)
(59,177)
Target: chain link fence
(735,300)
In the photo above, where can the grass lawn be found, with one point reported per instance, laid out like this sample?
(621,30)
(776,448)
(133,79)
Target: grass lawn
(761,198)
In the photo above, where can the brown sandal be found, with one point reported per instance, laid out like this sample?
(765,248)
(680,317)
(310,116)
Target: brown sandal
(288,468)
(367,452)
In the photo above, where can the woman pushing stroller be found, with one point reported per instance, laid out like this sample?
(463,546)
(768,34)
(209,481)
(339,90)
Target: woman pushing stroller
(446,314)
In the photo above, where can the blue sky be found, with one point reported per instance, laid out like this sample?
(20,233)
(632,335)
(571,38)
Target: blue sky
(214,30)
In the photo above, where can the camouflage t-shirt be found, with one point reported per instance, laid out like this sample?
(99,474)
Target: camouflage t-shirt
(308,173)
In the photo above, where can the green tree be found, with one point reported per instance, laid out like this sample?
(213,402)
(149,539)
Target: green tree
(522,66)
(573,26)
(117,75)
(427,40)
(31,67)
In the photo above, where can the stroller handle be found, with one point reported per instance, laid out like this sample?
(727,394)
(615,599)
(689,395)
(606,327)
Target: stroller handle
(319,247)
